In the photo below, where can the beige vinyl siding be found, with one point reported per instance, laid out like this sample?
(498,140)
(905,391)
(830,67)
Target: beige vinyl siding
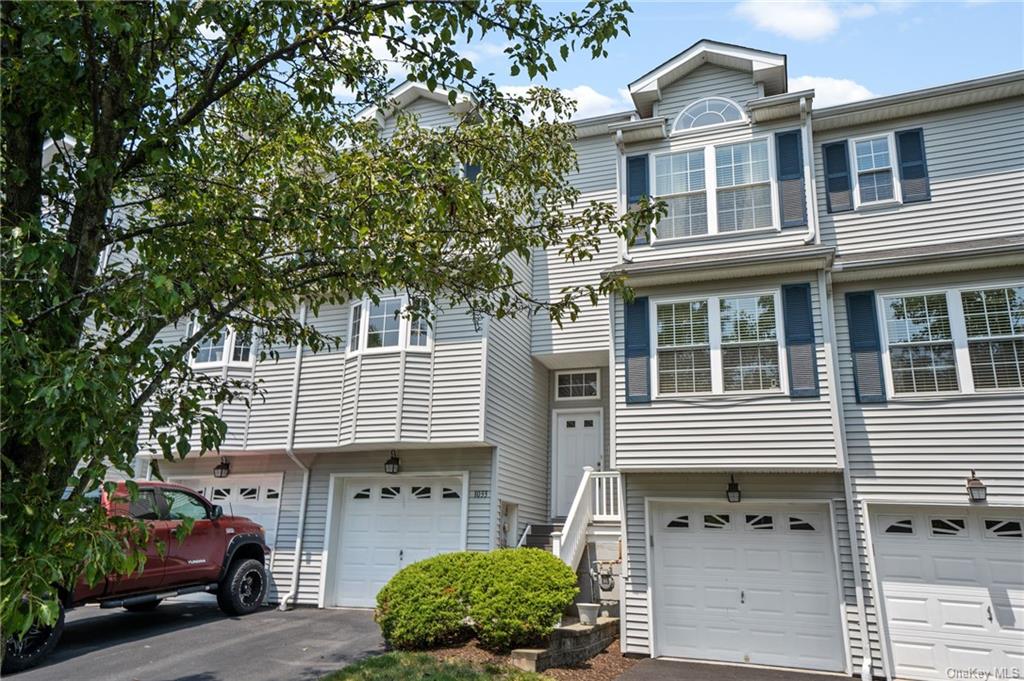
(976,169)
(597,158)
(639,486)
(476,461)
(709,80)
(729,243)
(730,430)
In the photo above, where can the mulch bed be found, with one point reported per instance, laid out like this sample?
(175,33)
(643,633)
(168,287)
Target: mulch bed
(605,666)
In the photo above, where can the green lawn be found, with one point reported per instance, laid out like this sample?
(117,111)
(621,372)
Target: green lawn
(421,667)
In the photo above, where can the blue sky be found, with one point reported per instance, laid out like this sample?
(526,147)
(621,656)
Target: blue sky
(845,50)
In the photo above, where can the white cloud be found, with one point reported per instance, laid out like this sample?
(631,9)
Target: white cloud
(589,102)
(799,19)
(830,91)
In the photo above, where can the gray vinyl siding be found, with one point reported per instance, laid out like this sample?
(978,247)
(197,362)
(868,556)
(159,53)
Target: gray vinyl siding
(516,420)
(729,243)
(597,158)
(709,80)
(427,112)
(638,486)
(976,169)
(730,430)
(921,449)
(476,461)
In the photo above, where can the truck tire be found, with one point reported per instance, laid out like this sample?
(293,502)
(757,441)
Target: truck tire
(148,606)
(243,588)
(29,651)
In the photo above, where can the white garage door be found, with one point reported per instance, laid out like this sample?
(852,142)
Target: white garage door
(256,497)
(746,583)
(389,523)
(952,582)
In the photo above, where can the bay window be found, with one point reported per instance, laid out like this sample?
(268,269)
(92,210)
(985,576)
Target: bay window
(381,326)
(969,339)
(223,347)
(717,344)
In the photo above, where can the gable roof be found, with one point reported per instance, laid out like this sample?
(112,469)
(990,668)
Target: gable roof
(768,68)
(408,92)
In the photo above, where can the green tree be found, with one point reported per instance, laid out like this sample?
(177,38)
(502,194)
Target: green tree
(164,160)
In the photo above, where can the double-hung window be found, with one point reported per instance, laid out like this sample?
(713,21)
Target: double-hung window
(969,339)
(718,344)
(679,181)
(873,161)
(381,326)
(744,186)
(683,347)
(750,345)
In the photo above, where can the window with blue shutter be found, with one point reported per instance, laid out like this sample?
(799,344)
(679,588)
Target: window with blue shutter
(638,351)
(637,187)
(913,166)
(790,168)
(798,317)
(838,186)
(865,346)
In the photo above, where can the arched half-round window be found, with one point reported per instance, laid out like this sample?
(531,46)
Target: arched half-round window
(709,111)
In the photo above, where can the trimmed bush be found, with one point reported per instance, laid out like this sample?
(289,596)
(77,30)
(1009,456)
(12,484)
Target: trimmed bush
(517,596)
(426,604)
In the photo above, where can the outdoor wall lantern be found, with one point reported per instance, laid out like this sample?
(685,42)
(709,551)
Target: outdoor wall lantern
(733,492)
(392,465)
(222,469)
(976,490)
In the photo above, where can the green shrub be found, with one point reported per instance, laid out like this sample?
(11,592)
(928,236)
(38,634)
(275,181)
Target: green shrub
(517,596)
(426,604)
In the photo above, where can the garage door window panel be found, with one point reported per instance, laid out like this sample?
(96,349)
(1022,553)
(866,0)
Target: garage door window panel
(716,521)
(948,527)
(760,522)
(898,525)
(1004,529)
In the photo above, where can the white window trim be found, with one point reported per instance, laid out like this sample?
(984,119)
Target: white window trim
(229,350)
(897,190)
(715,344)
(578,371)
(958,331)
(403,330)
(676,130)
(711,190)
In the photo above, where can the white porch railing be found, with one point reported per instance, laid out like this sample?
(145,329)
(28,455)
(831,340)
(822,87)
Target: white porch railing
(598,498)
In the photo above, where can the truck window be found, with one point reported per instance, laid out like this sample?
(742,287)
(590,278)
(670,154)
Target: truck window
(144,506)
(181,505)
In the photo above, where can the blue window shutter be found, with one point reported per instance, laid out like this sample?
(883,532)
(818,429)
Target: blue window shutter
(637,186)
(865,346)
(790,167)
(638,352)
(838,185)
(913,166)
(801,351)
(472,170)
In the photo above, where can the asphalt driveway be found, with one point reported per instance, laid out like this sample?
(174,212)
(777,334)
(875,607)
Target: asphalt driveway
(189,639)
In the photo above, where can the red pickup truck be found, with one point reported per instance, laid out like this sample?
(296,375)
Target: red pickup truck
(222,554)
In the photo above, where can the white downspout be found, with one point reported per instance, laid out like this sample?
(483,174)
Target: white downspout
(828,324)
(290,451)
(809,184)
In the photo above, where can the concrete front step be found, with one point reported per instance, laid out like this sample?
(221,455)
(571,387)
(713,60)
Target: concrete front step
(569,644)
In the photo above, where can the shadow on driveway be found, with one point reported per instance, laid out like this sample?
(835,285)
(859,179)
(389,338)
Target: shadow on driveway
(191,640)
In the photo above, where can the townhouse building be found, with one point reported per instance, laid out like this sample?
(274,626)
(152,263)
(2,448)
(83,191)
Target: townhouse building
(800,444)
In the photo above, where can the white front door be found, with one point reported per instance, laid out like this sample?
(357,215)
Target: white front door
(952,582)
(577,444)
(388,523)
(746,583)
(256,497)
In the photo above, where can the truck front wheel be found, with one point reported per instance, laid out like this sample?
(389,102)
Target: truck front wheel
(243,588)
(29,650)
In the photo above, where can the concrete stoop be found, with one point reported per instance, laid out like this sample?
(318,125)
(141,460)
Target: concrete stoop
(569,644)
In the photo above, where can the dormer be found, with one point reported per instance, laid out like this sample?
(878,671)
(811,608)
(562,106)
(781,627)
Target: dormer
(764,74)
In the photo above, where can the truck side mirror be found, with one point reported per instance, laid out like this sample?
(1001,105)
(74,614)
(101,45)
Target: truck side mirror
(217,512)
